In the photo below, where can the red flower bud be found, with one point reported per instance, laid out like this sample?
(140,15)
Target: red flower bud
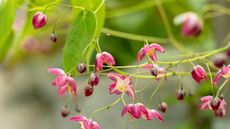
(94,79)
(215,104)
(39,20)
(219,60)
(81,68)
(162,107)
(65,112)
(191,23)
(181,94)
(89,90)
(53,37)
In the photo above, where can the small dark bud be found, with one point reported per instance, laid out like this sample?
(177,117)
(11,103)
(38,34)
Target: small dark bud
(53,37)
(154,71)
(219,60)
(65,112)
(81,68)
(89,90)
(94,79)
(162,107)
(181,94)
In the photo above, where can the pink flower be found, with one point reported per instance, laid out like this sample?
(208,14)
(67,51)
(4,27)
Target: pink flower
(85,123)
(63,82)
(138,110)
(150,50)
(192,25)
(198,73)
(121,84)
(218,105)
(39,20)
(223,72)
(103,57)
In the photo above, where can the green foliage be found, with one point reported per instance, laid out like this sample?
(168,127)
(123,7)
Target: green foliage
(7,14)
(79,37)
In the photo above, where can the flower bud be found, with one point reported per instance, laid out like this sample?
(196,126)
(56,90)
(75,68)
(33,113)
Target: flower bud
(94,79)
(39,20)
(215,104)
(154,71)
(191,24)
(65,112)
(162,107)
(81,68)
(53,37)
(198,73)
(89,90)
(219,60)
(180,94)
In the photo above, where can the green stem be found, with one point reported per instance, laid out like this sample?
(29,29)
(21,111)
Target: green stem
(154,92)
(221,87)
(133,36)
(168,29)
(107,106)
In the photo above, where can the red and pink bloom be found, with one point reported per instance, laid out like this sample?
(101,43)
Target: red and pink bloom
(121,84)
(138,110)
(63,82)
(103,57)
(218,105)
(85,123)
(150,50)
(223,72)
(198,73)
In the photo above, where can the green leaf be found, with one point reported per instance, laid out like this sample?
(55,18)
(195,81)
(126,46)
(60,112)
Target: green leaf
(7,14)
(79,37)
(93,5)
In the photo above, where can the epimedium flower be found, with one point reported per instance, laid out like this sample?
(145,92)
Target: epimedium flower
(39,20)
(84,122)
(191,23)
(103,57)
(63,82)
(223,72)
(138,110)
(198,73)
(121,84)
(150,50)
(218,105)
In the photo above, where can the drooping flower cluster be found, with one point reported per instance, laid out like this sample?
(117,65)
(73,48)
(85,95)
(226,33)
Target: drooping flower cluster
(138,110)
(218,105)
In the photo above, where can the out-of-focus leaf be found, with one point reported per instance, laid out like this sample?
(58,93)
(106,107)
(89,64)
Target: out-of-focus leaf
(5,46)
(93,5)
(79,37)
(7,14)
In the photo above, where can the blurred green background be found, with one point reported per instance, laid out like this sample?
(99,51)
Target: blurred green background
(29,101)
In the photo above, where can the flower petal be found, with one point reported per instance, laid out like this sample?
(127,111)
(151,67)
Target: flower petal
(78,118)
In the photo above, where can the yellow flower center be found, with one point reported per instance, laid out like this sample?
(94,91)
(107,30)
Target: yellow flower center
(227,75)
(122,88)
